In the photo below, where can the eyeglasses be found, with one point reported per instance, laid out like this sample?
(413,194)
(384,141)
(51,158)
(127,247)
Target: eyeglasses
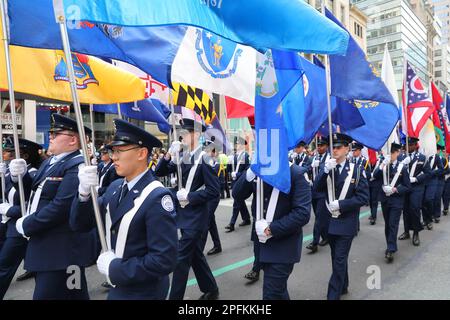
(338,147)
(53,134)
(118,152)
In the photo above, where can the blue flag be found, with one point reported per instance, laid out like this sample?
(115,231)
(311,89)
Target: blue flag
(278,72)
(447,104)
(380,120)
(257,23)
(353,77)
(152,50)
(141,110)
(347,118)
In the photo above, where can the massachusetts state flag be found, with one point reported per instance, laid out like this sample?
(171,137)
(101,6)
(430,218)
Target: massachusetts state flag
(417,105)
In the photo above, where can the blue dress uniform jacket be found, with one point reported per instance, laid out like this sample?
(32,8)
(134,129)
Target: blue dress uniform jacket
(244,160)
(357,196)
(403,184)
(53,245)
(302,160)
(107,174)
(292,212)
(151,247)
(195,215)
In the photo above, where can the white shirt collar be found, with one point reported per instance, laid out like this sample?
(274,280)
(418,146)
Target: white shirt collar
(59,157)
(133,182)
(195,151)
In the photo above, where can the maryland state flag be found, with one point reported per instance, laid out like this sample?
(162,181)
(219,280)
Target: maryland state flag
(194,99)
(44,73)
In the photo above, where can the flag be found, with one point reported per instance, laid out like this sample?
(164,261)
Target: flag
(345,118)
(272,121)
(194,99)
(257,23)
(427,138)
(140,110)
(238,109)
(439,121)
(353,76)
(416,103)
(210,62)
(388,77)
(152,50)
(447,103)
(44,73)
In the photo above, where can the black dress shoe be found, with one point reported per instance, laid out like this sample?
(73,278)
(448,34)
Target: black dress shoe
(404,236)
(214,250)
(252,276)
(323,243)
(430,226)
(389,257)
(26,275)
(372,221)
(213,295)
(106,285)
(416,240)
(436,220)
(344,291)
(312,247)
(244,223)
(445,212)
(230,228)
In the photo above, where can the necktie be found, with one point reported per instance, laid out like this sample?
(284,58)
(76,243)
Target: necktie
(338,167)
(123,192)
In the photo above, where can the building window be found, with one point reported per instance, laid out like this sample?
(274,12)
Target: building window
(343,14)
(438,53)
(358,30)
(438,74)
(438,63)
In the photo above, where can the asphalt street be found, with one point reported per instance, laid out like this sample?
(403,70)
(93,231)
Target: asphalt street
(416,273)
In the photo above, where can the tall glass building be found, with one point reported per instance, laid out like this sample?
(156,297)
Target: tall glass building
(393,22)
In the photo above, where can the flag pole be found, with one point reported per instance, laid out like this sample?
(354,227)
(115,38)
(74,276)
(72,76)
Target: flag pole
(405,101)
(3,184)
(91,113)
(330,124)
(61,20)
(12,100)
(177,154)
(119,111)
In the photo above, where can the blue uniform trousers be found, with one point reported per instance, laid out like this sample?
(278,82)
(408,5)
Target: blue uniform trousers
(411,210)
(438,198)
(320,220)
(391,216)
(257,266)
(190,253)
(11,255)
(340,248)
(446,194)
(276,276)
(239,206)
(428,202)
(53,285)
(212,206)
(374,199)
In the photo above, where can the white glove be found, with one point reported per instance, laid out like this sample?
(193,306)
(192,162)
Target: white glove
(315,163)
(250,175)
(4,207)
(387,160)
(104,260)
(88,178)
(18,167)
(388,190)
(94,161)
(334,205)
(329,165)
(3,168)
(182,196)
(19,226)
(406,161)
(260,226)
(233,175)
(413,180)
(175,147)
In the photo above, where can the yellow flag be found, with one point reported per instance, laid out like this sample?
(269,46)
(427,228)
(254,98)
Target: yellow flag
(44,73)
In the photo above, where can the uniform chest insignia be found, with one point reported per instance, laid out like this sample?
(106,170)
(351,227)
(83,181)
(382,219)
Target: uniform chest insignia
(55,178)
(352,181)
(136,191)
(167,203)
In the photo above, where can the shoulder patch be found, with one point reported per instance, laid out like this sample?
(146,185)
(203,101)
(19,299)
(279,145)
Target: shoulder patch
(167,203)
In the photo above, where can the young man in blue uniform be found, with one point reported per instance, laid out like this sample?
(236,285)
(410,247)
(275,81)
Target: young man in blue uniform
(419,170)
(199,185)
(396,184)
(351,192)
(139,217)
(53,248)
(278,227)
(13,252)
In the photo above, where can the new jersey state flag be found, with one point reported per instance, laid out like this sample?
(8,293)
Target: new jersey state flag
(44,73)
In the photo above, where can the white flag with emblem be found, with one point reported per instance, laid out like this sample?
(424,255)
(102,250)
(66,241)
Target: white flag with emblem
(209,62)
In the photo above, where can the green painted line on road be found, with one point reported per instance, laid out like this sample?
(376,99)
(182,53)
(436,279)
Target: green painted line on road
(250,260)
